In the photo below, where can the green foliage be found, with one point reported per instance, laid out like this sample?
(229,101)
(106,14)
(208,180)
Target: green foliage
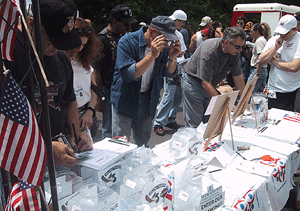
(98,11)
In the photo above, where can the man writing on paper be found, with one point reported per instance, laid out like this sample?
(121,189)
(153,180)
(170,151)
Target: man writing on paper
(57,34)
(213,60)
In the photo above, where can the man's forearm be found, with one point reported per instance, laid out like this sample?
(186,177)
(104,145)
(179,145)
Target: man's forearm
(239,83)
(266,57)
(143,65)
(72,117)
(210,90)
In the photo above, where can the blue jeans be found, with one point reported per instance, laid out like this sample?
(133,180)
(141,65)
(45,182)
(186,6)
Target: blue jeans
(106,115)
(262,79)
(169,104)
(194,101)
(141,128)
(245,68)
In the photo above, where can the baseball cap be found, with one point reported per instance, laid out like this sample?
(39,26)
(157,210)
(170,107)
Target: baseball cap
(166,26)
(58,18)
(123,12)
(209,32)
(178,14)
(285,24)
(205,20)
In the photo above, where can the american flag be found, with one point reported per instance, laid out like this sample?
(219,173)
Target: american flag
(293,118)
(22,197)
(22,149)
(9,19)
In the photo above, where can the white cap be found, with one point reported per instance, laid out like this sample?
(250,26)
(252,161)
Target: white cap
(142,24)
(205,20)
(285,24)
(178,14)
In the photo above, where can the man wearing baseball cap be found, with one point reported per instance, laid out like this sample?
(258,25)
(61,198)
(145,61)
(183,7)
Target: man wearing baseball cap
(205,20)
(171,99)
(283,52)
(143,58)
(57,34)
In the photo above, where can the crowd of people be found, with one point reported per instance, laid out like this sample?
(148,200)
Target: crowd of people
(130,69)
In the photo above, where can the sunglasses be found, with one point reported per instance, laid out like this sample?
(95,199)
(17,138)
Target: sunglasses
(84,31)
(237,47)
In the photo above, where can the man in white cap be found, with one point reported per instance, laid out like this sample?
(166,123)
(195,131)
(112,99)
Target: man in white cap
(171,100)
(205,22)
(283,52)
(197,37)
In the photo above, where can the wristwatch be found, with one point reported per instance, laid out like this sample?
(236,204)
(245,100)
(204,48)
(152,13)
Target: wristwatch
(92,109)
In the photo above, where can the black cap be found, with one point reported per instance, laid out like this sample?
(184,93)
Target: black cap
(58,19)
(166,25)
(297,16)
(123,12)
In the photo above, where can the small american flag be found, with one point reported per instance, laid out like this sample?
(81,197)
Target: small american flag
(293,118)
(9,19)
(22,197)
(22,149)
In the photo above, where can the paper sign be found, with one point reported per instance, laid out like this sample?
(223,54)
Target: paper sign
(212,200)
(184,196)
(222,156)
(211,105)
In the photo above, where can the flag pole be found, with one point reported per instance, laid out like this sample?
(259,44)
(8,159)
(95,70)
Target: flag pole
(35,52)
(45,118)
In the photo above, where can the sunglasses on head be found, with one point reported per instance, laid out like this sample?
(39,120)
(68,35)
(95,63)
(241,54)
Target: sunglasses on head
(84,31)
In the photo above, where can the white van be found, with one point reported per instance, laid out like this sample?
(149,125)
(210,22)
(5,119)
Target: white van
(263,12)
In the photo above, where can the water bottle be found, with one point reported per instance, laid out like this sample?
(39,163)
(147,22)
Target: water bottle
(144,185)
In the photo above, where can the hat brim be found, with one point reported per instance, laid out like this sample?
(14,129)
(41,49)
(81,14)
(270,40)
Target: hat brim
(281,30)
(203,24)
(169,36)
(130,20)
(65,41)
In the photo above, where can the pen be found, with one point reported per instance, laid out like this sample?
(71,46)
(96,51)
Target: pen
(241,155)
(118,142)
(277,122)
(214,170)
(264,129)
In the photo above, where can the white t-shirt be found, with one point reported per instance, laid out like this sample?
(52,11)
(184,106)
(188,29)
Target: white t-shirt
(199,38)
(257,49)
(82,83)
(147,75)
(279,80)
(183,46)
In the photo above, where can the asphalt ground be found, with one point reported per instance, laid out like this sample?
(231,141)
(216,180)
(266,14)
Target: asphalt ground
(155,139)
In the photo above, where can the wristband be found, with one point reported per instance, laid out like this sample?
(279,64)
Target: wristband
(92,109)
(257,74)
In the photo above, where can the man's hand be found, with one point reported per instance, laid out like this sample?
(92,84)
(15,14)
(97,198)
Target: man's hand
(279,42)
(84,144)
(86,121)
(158,45)
(63,155)
(175,50)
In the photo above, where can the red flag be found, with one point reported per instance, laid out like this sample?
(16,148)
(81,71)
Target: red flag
(22,149)
(9,21)
(22,197)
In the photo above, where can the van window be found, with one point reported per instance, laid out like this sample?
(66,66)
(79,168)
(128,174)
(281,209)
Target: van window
(254,17)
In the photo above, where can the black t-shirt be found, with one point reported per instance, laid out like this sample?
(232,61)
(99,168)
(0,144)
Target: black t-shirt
(59,73)
(106,65)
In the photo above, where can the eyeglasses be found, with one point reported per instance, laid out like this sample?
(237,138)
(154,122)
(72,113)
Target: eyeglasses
(237,47)
(84,31)
(239,22)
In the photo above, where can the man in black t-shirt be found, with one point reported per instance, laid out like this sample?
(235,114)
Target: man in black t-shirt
(119,24)
(57,33)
